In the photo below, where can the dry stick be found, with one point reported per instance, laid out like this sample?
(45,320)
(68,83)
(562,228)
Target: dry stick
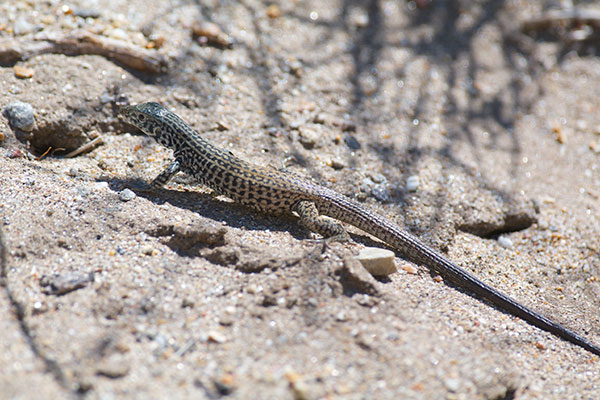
(80,42)
(86,147)
(39,158)
(557,17)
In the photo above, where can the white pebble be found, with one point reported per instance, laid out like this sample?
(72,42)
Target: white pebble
(22,27)
(216,337)
(412,183)
(379,262)
(118,34)
(452,384)
(126,195)
(230,310)
(505,242)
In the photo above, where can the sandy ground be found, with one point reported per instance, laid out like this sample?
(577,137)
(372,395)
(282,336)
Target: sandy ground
(177,293)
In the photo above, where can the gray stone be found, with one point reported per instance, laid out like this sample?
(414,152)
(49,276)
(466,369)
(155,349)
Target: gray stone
(22,27)
(20,116)
(126,195)
(381,193)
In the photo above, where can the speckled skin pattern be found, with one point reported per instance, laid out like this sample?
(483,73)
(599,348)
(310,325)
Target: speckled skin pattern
(271,191)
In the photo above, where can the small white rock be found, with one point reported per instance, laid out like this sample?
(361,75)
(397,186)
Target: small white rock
(452,384)
(341,316)
(22,27)
(126,195)
(230,310)
(147,250)
(505,242)
(412,183)
(216,337)
(379,262)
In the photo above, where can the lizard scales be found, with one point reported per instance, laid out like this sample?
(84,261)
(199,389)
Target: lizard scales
(271,191)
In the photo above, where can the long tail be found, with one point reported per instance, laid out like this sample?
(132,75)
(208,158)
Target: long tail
(353,213)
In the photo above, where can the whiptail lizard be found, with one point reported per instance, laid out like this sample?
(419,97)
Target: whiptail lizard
(272,191)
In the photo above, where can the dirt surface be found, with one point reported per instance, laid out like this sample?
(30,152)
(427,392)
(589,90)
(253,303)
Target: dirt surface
(177,293)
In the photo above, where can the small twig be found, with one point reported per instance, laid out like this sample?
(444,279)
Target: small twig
(557,17)
(57,149)
(86,147)
(81,42)
(44,154)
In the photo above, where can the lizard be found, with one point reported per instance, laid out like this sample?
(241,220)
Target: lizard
(320,209)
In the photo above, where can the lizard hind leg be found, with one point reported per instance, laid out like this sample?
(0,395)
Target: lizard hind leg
(330,229)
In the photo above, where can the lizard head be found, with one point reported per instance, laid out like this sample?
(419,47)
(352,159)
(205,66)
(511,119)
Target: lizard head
(151,118)
(145,116)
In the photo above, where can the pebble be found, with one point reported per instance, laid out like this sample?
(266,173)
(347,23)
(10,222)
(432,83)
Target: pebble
(505,241)
(379,262)
(126,195)
(378,178)
(147,250)
(211,33)
(225,385)
(409,269)
(253,289)
(273,11)
(308,138)
(336,164)
(341,316)
(230,310)
(412,183)
(39,307)
(381,193)
(86,13)
(352,142)
(113,367)
(23,72)
(452,384)
(117,33)
(216,337)
(22,27)
(20,116)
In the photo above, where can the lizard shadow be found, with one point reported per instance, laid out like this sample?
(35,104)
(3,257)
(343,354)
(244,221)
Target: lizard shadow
(217,208)
(222,209)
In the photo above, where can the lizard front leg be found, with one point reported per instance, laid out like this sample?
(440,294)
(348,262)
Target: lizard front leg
(166,175)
